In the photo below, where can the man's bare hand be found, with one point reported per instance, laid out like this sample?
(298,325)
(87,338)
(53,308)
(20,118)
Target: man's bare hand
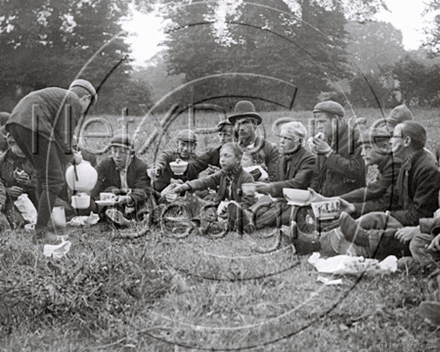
(262,187)
(321,147)
(15,191)
(406,234)
(347,206)
(435,244)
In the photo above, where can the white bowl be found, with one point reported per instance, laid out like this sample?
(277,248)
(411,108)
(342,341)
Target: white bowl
(296,196)
(81,201)
(178,167)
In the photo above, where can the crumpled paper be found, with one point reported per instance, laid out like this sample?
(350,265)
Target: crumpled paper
(84,220)
(58,250)
(26,208)
(345,264)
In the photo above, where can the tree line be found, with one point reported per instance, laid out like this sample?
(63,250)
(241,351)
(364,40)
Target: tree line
(326,48)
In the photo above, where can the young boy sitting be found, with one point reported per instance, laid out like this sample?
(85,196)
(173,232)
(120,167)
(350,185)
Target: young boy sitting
(229,181)
(250,166)
(124,174)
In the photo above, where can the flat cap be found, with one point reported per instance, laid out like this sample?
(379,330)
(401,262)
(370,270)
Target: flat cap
(87,86)
(330,107)
(122,140)
(293,129)
(222,124)
(187,136)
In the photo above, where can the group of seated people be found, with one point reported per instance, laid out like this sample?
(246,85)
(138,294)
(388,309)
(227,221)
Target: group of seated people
(246,175)
(393,214)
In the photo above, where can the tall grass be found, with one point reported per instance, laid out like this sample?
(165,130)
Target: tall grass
(114,292)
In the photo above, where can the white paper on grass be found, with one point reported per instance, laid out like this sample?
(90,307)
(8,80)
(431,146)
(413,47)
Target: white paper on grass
(58,250)
(345,264)
(84,220)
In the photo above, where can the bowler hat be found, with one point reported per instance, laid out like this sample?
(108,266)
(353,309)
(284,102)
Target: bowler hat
(87,86)
(244,109)
(187,136)
(330,107)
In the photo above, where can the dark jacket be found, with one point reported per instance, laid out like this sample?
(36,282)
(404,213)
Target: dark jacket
(418,187)
(266,154)
(219,179)
(376,196)
(2,196)
(8,163)
(48,107)
(210,157)
(163,162)
(293,171)
(344,170)
(137,178)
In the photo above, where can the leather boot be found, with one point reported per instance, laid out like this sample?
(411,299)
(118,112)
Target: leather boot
(352,230)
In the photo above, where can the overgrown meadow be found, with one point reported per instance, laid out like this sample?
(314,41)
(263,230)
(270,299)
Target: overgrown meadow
(137,290)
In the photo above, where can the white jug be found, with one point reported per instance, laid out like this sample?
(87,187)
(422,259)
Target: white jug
(82,177)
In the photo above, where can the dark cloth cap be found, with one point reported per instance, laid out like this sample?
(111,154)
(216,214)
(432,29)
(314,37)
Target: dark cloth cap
(398,115)
(222,124)
(243,109)
(330,107)
(122,140)
(87,86)
(187,136)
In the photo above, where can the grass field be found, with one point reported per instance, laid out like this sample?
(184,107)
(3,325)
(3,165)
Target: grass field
(115,291)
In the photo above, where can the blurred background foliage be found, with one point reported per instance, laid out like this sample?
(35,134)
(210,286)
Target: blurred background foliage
(328,49)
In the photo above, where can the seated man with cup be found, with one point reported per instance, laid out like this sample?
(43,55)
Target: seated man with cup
(294,170)
(123,186)
(171,166)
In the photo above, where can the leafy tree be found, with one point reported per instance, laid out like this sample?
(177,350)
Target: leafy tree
(373,90)
(419,82)
(48,42)
(432,42)
(374,44)
(302,42)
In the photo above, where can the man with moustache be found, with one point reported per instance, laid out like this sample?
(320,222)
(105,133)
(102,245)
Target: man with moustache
(245,121)
(418,184)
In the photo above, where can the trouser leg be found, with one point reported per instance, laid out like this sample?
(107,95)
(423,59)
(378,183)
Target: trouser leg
(418,247)
(46,159)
